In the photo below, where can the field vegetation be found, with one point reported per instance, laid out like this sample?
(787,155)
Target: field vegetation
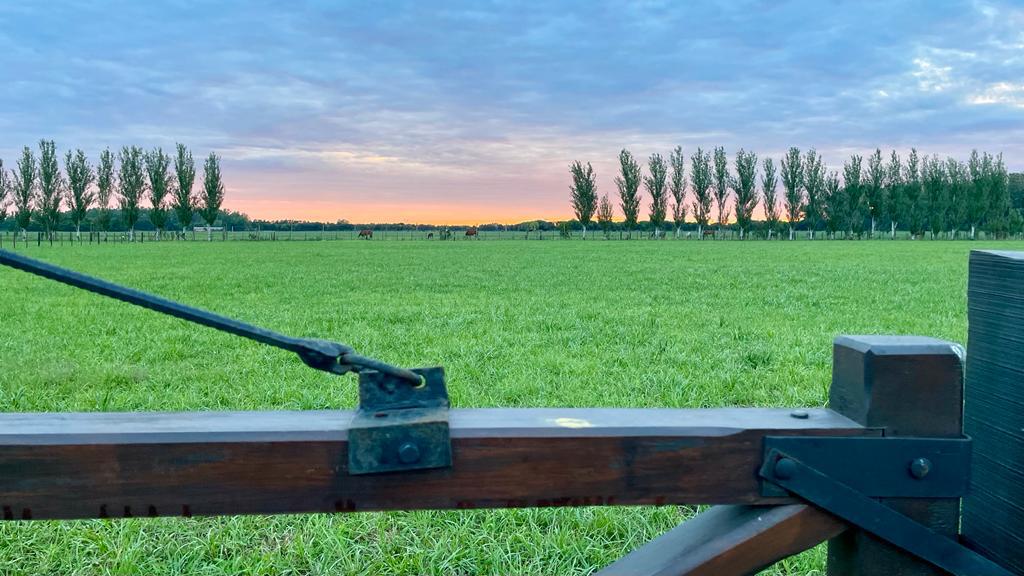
(644,324)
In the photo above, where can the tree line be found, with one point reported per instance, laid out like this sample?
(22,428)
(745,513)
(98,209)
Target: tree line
(41,193)
(918,194)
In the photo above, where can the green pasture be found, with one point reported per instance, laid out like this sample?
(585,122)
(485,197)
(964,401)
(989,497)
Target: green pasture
(594,323)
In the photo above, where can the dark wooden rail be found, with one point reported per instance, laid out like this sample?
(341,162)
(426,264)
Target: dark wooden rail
(156,464)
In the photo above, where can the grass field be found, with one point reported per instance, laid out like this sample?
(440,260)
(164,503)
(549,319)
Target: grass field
(671,324)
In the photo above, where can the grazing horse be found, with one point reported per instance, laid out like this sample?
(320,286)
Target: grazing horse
(472,232)
(368,234)
(430,236)
(709,233)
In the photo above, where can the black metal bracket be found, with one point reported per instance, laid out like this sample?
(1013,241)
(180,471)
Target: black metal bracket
(400,426)
(844,476)
(881,467)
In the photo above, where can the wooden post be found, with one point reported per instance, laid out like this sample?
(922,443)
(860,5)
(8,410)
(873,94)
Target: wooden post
(993,512)
(909,386)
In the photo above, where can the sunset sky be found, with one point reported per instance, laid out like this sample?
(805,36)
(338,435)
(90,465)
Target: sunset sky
(471,112)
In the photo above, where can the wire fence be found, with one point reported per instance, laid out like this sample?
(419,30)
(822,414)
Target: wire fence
(14,240)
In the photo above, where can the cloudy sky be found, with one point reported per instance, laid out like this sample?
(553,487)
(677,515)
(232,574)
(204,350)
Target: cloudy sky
(471,112)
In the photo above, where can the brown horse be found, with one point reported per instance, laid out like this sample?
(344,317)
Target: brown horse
(473,233)
(430,236)
(368,234)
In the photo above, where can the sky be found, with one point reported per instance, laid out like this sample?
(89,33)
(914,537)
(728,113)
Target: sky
(470,112)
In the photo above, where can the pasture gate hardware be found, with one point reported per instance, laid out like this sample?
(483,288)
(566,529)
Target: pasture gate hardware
(882,474)
(402,421)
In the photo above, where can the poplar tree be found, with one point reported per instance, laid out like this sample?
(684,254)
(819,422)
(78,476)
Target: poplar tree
(583,191)
(656,187)
(933,180)
(700,176)
(51,188)
(912,194)
(793,181)
(81,198)
(834,204)
(605,213)
(213,192)
(104,188)
(677,187)
(999,197)
(5,188)
(769,185)
(874,190)
(157,164)
(745,187)
(895,199)
(977,199)
(853,190)
(185,173)
(721,185)
(814,184)
(132,177)
(957,183)
(24,190)
(628,183)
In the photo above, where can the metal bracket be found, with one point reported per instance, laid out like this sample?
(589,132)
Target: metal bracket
(400,426)
(881,466)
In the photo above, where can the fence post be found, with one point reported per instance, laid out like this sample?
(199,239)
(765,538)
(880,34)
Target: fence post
(909,386)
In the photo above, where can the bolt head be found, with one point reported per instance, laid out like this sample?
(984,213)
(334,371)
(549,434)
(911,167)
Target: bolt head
(920,467)
(785,468)
(408,453)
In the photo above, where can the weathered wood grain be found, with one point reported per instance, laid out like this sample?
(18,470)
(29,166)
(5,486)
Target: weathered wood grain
(90,465)
(730,540)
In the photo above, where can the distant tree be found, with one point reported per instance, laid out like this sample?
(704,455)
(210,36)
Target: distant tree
(999,204)
(933,181)
(1015,184)
(814,185)
(834,204)
(1016,222)
(185,172)
(81,198)
(628,183)
(769,184)
(745,187)
(656,187)
(793,182)
(157,164)
(51,188)
(5,189)
(912,195)
(584,193)
(677,186)
(895,199)
(977,201)
(24,189)
(721,185)
(700,176)
(104,188)
(853,191)
(605,213)
(874,189)
(213,191)
(957,184)
(133,183)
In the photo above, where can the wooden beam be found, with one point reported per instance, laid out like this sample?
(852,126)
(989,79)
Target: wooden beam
(730,540)
(87,465)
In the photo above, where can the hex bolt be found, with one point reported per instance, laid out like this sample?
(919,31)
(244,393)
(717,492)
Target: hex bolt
(785,468)
(920,467)
(409,453)
(800,414)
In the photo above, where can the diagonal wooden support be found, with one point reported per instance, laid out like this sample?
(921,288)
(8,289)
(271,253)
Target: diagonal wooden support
(730,540)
